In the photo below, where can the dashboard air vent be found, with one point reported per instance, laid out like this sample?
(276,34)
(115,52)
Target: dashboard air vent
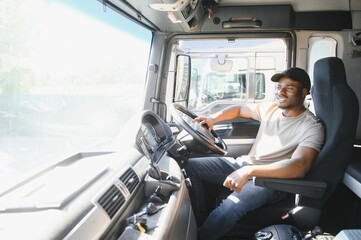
(130,179)
(111,201)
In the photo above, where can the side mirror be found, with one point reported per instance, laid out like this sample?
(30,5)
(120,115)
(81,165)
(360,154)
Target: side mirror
(182,78)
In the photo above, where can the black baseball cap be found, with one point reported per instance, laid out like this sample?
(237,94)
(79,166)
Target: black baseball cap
(296,74)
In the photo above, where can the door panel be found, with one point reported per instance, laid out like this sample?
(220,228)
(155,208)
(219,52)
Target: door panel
(238,134)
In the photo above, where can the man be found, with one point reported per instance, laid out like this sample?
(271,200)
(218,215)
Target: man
(287,143)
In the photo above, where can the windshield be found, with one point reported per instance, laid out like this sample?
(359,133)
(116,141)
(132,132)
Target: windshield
(71,74)
(232,69)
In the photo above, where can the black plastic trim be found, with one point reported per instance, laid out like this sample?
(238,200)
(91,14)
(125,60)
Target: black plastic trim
(308,188)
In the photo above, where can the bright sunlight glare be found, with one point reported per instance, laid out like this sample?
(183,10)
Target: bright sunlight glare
(51,53)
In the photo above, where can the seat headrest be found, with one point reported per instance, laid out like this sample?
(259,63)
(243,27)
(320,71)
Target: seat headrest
(328,72)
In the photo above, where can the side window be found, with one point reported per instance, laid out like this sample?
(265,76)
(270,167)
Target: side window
(319,47)
(225,71)
(65,82)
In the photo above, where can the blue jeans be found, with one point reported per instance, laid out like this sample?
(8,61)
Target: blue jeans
(234,207)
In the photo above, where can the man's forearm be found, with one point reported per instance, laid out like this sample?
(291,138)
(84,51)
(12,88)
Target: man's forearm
(226,114)
(295,167)
(288,168)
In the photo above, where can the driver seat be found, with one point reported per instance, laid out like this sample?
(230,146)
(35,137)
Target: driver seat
(336,105)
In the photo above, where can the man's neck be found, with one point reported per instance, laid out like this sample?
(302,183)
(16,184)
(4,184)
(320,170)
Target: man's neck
(294,112)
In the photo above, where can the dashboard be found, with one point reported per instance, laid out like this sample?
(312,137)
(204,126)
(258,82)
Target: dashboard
(92,195)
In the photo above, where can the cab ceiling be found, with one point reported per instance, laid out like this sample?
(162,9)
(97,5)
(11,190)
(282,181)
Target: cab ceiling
(174,21)
(301,5)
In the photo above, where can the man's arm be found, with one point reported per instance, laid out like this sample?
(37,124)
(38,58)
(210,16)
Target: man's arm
(295,167)
(226,114)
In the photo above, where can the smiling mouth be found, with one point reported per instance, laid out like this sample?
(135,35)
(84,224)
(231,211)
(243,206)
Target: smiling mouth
(281,100)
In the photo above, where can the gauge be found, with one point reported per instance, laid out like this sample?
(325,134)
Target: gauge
(151,135)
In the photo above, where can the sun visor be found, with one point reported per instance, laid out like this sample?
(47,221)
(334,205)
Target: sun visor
(221,64)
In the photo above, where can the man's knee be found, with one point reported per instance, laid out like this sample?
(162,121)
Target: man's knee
(195,165)
(232,208)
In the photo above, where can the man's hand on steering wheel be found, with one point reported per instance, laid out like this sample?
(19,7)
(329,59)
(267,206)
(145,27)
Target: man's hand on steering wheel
(207,121)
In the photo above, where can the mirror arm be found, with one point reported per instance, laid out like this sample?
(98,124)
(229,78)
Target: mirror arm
(158,101)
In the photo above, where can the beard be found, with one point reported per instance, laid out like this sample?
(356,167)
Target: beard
(289,103)
(283,106)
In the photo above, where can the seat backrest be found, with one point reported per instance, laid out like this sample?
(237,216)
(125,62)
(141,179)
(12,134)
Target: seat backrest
(337,106)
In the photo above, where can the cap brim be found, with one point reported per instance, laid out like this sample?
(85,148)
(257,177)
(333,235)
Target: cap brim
(277,77)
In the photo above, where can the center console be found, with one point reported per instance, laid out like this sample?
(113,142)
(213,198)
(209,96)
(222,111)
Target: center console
(167,211)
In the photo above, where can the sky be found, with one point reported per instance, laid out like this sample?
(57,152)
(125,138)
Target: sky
(95,9)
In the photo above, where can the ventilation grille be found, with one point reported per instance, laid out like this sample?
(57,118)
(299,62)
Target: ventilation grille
(130,180)
(111,201)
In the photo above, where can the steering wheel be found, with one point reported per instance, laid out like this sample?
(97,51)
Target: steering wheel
(199,132)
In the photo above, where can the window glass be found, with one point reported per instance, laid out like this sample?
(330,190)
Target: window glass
(232,70)
(71,75)
(320,47)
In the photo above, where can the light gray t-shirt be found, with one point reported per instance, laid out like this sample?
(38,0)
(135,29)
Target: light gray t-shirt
(279,136)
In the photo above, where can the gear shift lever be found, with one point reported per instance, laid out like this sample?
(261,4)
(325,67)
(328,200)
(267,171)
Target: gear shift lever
(154,171)
(312,234)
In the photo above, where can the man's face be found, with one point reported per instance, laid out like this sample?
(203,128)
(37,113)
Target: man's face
(289,93)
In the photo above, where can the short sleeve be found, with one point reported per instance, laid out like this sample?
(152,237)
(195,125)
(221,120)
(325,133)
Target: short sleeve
(314,134)
(260,110)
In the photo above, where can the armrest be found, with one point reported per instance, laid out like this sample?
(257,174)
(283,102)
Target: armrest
(303,187)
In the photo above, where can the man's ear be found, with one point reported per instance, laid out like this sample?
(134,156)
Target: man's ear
(305,92)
